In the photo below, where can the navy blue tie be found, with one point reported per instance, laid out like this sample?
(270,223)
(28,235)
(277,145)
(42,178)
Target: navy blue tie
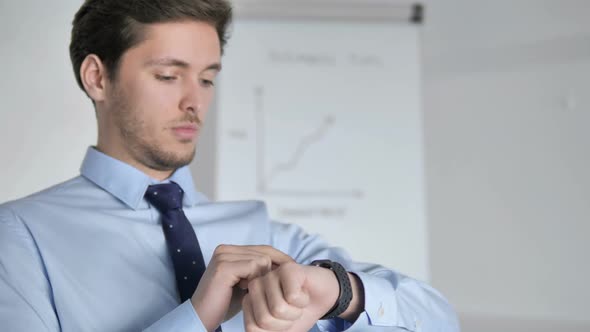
(181,239)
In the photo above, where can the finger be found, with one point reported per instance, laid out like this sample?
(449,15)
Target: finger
(277,304)
(278,257)
(243,284)
(261,263)
(234,269)
(235,305)
(292,278)
(264,265)
(249,321)
(235,257)
(264,319)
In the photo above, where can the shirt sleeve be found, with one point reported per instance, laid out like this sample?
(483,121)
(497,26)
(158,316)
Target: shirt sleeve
(393,301)
(182,318)
(26,303)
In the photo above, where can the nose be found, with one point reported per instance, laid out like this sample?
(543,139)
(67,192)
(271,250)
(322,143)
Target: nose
(191,99)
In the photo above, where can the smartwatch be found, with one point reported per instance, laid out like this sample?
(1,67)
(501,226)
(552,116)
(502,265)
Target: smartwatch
(345,296)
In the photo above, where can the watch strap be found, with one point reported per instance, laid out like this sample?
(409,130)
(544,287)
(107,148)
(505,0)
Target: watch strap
(345,296)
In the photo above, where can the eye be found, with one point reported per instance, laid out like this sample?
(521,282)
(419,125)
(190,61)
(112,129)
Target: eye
(165,78)
(207,83)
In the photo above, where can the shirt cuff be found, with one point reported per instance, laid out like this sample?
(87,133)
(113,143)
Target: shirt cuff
(381,307)
(182,318)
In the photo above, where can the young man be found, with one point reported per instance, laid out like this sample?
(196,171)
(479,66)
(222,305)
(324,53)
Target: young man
(131,245)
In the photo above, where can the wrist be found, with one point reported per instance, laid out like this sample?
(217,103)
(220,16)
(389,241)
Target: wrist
(209,326)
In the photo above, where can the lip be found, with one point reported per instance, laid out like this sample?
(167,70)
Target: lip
(186,132)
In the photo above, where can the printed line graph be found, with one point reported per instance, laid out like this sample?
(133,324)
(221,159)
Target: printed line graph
(266,176)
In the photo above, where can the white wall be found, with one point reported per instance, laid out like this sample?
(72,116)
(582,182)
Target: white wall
(506,117)
(46,122)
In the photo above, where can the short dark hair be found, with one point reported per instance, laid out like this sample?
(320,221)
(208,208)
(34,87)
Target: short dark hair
(108,28)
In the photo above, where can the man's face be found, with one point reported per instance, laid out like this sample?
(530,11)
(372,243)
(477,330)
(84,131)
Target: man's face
(161,93)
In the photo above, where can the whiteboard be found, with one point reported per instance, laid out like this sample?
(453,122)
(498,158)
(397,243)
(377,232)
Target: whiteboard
(322,121)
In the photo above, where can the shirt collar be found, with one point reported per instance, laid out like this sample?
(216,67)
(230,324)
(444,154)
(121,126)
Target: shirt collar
(129,184)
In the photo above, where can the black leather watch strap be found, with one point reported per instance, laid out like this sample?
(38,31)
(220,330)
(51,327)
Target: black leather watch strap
(345,296)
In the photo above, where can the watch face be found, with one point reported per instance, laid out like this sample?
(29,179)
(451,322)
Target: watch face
(322,263)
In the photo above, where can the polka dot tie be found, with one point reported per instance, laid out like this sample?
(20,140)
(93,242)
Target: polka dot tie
(181,239)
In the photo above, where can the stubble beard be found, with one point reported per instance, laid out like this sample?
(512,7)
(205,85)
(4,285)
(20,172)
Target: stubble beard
(135,133)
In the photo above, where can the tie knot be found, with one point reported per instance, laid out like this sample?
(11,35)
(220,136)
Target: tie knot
(165,197)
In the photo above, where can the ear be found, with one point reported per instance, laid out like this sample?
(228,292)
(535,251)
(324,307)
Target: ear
(94,76)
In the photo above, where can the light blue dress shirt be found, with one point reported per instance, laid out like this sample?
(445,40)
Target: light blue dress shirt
(89,254)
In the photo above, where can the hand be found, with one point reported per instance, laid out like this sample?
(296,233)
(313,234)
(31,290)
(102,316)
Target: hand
(291,298)
(230,269)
